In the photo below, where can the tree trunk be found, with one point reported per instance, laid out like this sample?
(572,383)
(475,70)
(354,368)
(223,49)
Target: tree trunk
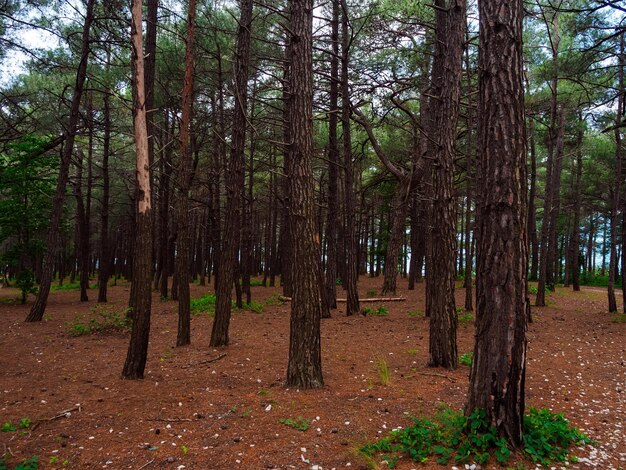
(105,257)
(305,360)
(183,337)
(142,268)
(234,183)
(350,235)
(574,247)
(398,216)
(52,239)
(532,211)
(498,369)
(446,86)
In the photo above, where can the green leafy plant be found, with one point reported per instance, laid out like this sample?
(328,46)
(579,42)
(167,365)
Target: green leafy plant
(338,281)
(416,313)
(299,423)
(547,436)
(452,436)
(29,464)
(25,423)
(371,293)
(254,306)
(8,427)
(53,459)
(184,449)
(466,358)
(204,304)
(533,290)
(25,282)
(275,299)
(375,312)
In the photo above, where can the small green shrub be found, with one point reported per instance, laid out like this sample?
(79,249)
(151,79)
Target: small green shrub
(371,293)
(548,436)
(254,306)
(416,313)
(466,358)
(109,321)
(29,464)
(375,312)
(338,281)
(25,282)
(204,304)
(25,423)
(8,427)
(299,423)
(465,318)
(533,290)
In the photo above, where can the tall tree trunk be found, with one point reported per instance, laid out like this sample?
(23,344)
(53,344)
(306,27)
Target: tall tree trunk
(142,269)
(498,370)
(574,246)
(446,76)
(52,239)
(305,360)
(183,337)
(350,235)
(398,217)
(105,257)
(234,183)
(532,211)
(332,233)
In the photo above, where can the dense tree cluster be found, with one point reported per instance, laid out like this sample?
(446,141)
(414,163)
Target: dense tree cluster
(310,143)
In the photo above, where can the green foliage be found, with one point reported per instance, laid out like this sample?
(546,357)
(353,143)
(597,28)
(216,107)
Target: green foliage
(466,358)
(25,423)
(275,299)
(452,436)
(299,423)
(548,436)
(597,279)
(465,318)
(416,313)
(8,427)
(533,290)
(338,281)
(25,282)
(619,318)
(256,307)
(29,464)
(204,304)
(109,321)
(375,312)
(371,293)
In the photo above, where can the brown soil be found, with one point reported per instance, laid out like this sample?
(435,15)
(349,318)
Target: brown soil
(195,411)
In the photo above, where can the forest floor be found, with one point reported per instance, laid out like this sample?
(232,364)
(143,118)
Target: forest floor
(206,408)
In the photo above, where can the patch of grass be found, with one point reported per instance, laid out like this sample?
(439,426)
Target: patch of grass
(465,318)
(375,312)
(619,318)
(256,307)
(382,368)
(299,423)
(275,299)
(371,293)
(412,352)
(452,436)
(109,320)
(466,358)
(416,313)
(204,304)
(533,290)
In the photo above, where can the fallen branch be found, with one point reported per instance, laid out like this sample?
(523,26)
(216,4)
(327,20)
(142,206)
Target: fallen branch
(208,361)
(435,374)
(370,299)
(145,465)
(170,420)
(62,414)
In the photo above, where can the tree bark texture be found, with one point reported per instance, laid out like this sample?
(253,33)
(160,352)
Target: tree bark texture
(446,87)
(305,362)
(142,261)
(498,369)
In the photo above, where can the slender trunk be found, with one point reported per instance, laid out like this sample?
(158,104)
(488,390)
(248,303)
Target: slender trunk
(105,256)
(52,239)
(234,184)
(142,269)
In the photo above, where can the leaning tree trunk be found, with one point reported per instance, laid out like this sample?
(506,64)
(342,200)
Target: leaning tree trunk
(142,260)
(498,370)
(305,360)
(234,184)
(183,337)
(446,75)
(52,239)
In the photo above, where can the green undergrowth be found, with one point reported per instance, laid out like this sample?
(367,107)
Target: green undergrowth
(381,311)
(31,463)
(451,436)
(107,320)
(206,304)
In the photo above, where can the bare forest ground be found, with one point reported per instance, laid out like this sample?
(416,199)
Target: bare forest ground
(202,408)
